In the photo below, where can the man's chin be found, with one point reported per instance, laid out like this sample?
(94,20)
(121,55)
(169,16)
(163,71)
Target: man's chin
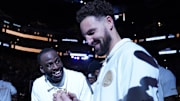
(56,80)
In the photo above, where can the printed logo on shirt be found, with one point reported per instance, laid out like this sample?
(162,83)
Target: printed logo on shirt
(107,79)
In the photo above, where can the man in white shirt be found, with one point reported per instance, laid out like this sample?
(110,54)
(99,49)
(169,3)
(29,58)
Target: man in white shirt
(56,77)
(129,72)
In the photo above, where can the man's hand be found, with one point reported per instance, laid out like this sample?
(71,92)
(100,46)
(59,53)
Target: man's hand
(73,96)
(63,96)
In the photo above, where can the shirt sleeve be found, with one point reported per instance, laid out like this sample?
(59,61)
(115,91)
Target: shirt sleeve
(169,84)
(13,89)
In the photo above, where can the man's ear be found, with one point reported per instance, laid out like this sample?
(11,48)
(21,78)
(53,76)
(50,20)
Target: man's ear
(110,22)
(41,69)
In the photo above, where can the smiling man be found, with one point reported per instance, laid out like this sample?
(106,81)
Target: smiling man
(56,77)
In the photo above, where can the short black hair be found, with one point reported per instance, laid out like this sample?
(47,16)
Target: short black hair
(42,52)
(97,8)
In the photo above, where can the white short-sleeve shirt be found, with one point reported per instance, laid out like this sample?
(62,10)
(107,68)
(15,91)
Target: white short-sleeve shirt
(75,82)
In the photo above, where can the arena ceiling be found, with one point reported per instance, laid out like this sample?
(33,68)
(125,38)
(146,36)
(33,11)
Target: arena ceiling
(59,15)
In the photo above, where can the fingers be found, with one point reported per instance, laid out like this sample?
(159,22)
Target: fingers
(73,96)
(65,97)
(54,96)
(57,96)
(61,96)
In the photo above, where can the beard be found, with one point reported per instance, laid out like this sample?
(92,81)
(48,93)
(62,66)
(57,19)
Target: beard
(104,44)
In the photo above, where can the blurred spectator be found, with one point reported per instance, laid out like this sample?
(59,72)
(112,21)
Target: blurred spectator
(92,78)
(8,91)
(167,87)
(93,71)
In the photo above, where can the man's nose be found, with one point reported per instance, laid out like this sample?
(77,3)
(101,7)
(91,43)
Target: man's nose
(55,66)
(89,40)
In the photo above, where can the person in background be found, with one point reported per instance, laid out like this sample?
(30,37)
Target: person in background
(96,73)
(129,71)
(57,78)
(92,78)
(8,91)
(93,71)
(167,85)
